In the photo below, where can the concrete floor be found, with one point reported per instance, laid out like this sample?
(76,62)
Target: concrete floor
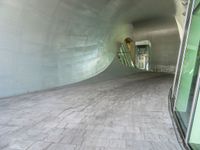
(121,114)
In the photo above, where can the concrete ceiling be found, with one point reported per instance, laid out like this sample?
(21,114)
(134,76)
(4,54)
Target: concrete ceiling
(126,10)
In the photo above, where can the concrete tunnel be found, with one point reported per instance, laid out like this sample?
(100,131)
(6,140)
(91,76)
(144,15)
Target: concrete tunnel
(47,44)
(62,86)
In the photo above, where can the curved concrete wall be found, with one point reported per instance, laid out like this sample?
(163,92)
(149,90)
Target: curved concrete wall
(50,43)
(164,37)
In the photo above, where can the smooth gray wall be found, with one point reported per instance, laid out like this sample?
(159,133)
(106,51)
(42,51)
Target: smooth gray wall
(50,43)
(164,36)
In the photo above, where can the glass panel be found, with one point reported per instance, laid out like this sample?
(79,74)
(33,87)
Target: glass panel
(182,50)
(189,73)
(125,55)
(195,132)
(197,9)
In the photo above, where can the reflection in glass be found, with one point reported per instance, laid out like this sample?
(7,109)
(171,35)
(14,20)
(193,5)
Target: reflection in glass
(189,74)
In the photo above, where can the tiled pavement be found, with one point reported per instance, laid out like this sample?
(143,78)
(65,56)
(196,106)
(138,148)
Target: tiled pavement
(121,114)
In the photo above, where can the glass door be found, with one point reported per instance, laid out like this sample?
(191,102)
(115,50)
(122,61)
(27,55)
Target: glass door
(189,72)
(194,129)
(182,49)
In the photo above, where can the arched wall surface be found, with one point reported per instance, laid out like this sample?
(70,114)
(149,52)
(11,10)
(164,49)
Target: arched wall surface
(50,43)
(164,37)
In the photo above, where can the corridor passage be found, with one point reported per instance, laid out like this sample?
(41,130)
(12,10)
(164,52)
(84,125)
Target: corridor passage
(129,113)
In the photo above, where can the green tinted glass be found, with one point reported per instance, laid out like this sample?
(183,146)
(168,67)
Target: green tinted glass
(189,72)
